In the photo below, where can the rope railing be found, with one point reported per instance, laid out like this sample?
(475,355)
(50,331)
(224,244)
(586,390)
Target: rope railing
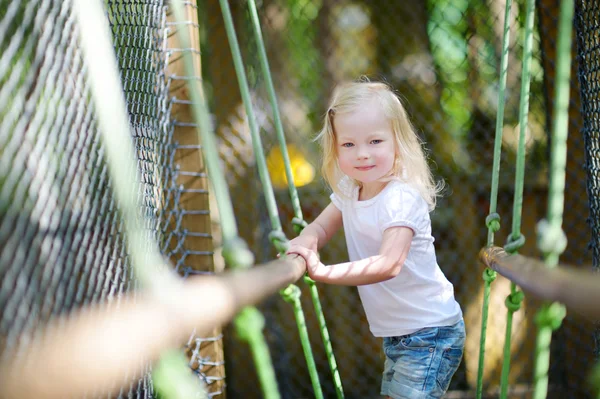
(292,293)
(103,348)
(516,239)
(552,284)
(551,241)
(298,221)
(492,221)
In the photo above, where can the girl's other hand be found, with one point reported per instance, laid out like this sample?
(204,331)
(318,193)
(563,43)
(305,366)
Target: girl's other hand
(305,240)
(313,264)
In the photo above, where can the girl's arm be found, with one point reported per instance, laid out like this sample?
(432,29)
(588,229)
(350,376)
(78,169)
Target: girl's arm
(392,254)
(319,232)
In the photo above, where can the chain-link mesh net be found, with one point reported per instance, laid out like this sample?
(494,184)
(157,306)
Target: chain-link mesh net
(588,42)
(443,57)
(61,237)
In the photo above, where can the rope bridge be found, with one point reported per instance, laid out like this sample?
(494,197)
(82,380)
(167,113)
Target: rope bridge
(89,237)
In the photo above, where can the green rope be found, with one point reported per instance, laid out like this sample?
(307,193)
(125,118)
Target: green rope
(276,236)
(493,220)
(249,325)
(291,295)
(172,378)
(552,241)
(235,250)
(516,239)
(337,380)
(297,222)
(266,70)
(489,276)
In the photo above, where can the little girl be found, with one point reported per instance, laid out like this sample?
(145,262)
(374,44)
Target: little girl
(383,192)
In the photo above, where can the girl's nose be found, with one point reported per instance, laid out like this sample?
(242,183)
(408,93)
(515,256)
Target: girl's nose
(362,154)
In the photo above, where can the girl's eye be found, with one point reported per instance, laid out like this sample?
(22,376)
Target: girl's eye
(376,141)
(347,145)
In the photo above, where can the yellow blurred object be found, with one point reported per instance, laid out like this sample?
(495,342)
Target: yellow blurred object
(302,171)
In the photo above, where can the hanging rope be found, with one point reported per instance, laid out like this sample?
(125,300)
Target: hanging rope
(298,222)
(551,239)
(516,240)
(493,219)
(292,293)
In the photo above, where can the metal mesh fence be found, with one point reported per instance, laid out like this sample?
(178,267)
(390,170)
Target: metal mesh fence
(61,237)
(443,57)
(588,36)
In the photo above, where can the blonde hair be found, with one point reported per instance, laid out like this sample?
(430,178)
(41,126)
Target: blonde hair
(410,165)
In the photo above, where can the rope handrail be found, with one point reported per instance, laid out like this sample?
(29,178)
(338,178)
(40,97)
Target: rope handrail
(553,284)
(298,222)
(492,221)
(290,294)
(140,330)
(516,239)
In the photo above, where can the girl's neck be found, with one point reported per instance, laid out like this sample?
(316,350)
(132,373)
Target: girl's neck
(370,190)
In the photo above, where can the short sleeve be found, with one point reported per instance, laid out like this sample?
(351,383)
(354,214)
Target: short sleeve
(403,206)
(345,189)
(335,199)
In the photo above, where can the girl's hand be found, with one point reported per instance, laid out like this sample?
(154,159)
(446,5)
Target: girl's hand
(305,240)
(313,264)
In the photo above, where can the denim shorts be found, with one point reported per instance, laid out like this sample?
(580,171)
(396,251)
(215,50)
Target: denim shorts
(420,365)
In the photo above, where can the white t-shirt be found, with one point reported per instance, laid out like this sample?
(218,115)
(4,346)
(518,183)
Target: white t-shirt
(420,295)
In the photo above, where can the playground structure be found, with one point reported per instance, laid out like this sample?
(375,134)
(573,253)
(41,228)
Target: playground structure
(52,265)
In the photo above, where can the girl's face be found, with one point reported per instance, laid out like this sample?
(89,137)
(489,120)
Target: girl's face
(365,143)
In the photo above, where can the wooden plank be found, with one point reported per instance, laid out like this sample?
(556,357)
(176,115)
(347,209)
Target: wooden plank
(198,241)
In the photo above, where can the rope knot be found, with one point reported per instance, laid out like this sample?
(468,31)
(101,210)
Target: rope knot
(489,275)
(291,293)
(299,225)
(236,253)
(551,238)
(513,244)
(513,301)
(551,315)
(279,240)
(492,221)
(249,322)
(308,281)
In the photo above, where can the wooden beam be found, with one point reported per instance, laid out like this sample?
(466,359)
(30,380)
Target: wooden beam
(576,288)
(103,348)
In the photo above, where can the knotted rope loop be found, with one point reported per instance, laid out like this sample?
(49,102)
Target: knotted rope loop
(236,253)
(249,322)
(551,315)
(492,221)
(291,293)
(514,244)
(299,225)
(514,300)
(279,240)
(489,275)
(551,238)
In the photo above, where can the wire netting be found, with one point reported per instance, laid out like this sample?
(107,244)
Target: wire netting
(62,245)
(588,42)
(443,58)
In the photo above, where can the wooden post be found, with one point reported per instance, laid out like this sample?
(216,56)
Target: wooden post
(194,230)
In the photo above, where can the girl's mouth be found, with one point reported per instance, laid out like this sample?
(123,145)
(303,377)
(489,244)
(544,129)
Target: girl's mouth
(363,168)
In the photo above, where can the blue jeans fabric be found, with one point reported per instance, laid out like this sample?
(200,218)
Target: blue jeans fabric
(420,365)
